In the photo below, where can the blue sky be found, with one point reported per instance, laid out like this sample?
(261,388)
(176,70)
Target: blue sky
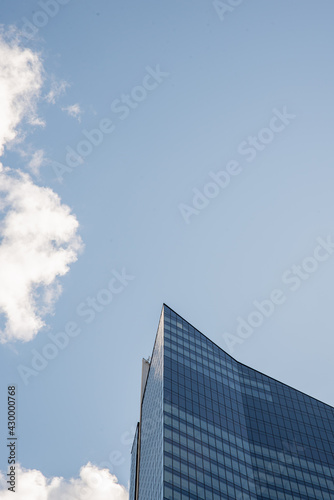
(220,83)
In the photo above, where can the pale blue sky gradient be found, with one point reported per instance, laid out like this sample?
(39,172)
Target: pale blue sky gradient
(224,80)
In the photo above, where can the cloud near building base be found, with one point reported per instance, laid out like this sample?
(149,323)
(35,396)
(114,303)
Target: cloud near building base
(92,484)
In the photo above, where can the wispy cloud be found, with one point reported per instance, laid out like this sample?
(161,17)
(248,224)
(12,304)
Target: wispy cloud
(38,234)
(20,87)
(57,89)
(73,110)
(92,484)
(37,160)
(34,159)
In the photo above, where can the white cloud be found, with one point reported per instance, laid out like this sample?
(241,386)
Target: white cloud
(38,234)
(73,110)
(21,78)
(38,242)
(92,484)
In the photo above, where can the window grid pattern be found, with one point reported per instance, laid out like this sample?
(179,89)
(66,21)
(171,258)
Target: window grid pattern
(231,432)
(151,434)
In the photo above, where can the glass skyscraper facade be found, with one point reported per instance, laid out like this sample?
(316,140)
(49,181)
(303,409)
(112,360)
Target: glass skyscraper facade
(212,428)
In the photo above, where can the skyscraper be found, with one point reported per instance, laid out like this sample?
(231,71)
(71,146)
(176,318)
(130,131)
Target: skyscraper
(212,428)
